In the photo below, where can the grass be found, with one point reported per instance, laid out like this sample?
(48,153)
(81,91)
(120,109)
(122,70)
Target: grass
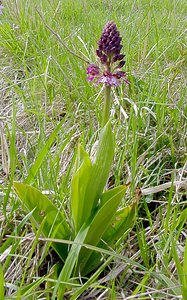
(43,84)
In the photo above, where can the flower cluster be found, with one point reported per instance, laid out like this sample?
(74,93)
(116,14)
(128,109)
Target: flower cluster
(109,54)
(105,77)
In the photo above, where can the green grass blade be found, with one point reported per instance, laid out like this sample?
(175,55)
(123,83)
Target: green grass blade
(16,231)
(29,289)
(12,154)
(2,290)
(177,262)
(176,290)
(37,164)
(70,263)
(93,277)
(11,243)
(184,285)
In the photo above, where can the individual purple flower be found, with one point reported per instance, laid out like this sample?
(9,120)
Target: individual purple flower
(111,59)
(92,72)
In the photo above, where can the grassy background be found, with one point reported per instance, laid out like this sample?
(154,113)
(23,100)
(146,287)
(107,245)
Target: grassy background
(43,84)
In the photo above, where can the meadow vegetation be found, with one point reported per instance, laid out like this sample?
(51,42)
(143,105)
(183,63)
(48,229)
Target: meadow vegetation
(48,107)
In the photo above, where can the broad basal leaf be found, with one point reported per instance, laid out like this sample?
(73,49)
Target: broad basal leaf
(100,222)
(89,180)
(100,170)
(32,199)
(78,188)
(122,222)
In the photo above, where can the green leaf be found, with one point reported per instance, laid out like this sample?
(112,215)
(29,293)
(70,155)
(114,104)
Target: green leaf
(89,180)
(2,291)
(123,221)
(94,260)
(101,221)
(100,170)
(42,206)
(78,188)
(106,196)
(90,233)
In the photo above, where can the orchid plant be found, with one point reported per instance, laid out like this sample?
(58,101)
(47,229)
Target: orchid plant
(96,219)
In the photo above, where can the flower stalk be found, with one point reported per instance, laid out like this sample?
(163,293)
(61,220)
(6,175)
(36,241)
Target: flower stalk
(106,106)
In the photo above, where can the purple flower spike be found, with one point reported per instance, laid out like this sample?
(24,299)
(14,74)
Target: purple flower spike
(110,57)
(110,44)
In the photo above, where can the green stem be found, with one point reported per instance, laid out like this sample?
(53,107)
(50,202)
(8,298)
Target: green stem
(106,107)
